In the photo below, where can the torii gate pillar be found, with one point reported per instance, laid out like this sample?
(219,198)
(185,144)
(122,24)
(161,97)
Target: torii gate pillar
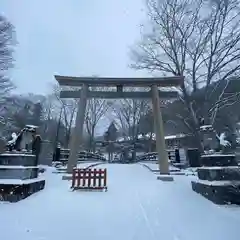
(77,134)
(159,131)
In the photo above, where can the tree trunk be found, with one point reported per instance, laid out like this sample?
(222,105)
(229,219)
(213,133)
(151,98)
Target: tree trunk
(195,122)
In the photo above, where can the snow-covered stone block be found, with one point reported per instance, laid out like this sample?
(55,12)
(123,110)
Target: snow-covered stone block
(221,160)
(219,173)
(14,172)
(219,192)
(17,159)
(21,181)
(14,190)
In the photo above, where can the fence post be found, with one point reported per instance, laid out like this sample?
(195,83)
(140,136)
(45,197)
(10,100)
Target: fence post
(83,177)
(94,176)
(88,171)
(78,177)
(105,178)
(73,178)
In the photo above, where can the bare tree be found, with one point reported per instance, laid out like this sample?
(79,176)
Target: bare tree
(128,113)
(50,111)
(7,42)
(95,111)
(66,108)
(196,39)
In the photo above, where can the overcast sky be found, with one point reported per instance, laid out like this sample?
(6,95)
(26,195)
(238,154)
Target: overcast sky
(71,37)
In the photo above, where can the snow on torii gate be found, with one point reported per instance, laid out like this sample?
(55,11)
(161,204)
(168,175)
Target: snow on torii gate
(118,83)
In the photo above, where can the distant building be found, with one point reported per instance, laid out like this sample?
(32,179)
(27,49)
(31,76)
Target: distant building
(179,140)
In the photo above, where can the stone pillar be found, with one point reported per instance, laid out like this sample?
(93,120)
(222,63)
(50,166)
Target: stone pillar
(77,134)
(158,123)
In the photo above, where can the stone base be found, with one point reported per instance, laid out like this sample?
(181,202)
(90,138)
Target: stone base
(17,192)
(165,178)
(221,160)
(15,158)
(219,192)
(18,172)
(219,173)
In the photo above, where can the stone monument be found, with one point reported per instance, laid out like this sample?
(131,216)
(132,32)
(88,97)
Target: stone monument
(219,174)
(209,138)
(19,171)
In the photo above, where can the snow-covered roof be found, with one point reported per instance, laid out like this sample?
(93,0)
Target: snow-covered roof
(181,135)
(206,127)
(148,135)
(31,126)
(121,139)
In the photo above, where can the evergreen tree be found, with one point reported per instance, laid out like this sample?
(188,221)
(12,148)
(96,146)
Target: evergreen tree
(111,133)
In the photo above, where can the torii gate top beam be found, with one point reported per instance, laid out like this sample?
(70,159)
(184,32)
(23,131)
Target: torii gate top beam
(130,82)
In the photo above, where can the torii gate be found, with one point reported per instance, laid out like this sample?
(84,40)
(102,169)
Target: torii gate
(84,93)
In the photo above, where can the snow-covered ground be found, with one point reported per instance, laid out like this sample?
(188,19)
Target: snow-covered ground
(136,207)
(153,165)
(80,165)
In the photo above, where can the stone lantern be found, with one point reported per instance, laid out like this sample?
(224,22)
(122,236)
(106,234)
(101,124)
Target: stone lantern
(209,138)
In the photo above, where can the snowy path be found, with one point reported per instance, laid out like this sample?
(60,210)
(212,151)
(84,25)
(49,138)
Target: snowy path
(136,207)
